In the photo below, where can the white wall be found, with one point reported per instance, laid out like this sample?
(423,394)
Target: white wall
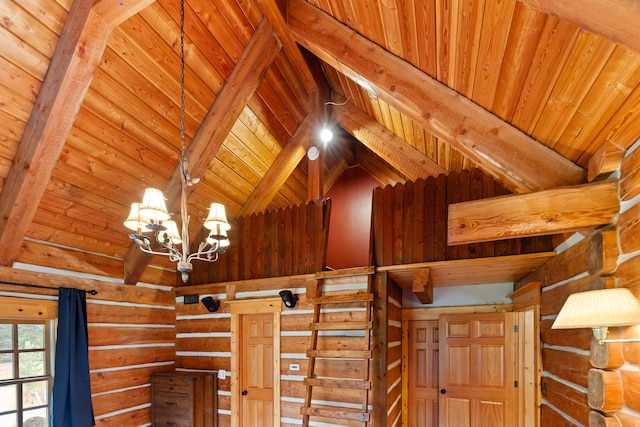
(495,293)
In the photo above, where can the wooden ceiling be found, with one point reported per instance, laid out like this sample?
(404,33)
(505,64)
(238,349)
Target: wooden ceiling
(90,105)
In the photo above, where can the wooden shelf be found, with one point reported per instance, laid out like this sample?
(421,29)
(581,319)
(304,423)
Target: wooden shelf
(470,271)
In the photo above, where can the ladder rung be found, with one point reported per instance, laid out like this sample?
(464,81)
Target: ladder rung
(333,383)
(337,299)
(340,354)
(343,414)
(343,326)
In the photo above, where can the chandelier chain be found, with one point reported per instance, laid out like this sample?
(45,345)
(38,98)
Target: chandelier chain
(152,215)
(182,84)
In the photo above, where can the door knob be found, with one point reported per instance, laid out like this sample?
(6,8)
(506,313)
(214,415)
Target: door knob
(245,392)
(443,391)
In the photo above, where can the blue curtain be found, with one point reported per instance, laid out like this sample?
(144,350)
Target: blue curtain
(71,401)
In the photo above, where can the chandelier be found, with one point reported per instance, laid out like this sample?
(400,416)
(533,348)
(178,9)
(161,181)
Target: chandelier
(151,216)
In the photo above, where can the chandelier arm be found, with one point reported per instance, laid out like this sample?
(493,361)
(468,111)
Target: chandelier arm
(145,246)
(209,256)
(169,248)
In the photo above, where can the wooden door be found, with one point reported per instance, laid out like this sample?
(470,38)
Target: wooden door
(477,359)
(423,373)
(257,370)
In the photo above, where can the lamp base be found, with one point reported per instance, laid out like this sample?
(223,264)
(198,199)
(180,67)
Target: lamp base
(600,333)
(185,268)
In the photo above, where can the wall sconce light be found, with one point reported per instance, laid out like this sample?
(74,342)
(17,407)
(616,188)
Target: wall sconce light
(288,298)
(211,304)
(598,310)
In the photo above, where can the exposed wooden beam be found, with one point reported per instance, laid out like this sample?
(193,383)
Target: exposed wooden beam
(80,47)
(422,285)
(315,175)
(243,81)
(283,166)
(616,20)
(502,150)
(604,161)
(524,215)
(291,50)
(391,148)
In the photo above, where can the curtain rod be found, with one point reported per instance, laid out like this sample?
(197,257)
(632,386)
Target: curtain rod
(29,285)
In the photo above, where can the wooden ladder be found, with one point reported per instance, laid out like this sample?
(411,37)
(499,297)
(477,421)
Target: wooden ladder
(338,355)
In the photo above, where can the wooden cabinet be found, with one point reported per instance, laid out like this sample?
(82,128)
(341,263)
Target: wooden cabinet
(183,399)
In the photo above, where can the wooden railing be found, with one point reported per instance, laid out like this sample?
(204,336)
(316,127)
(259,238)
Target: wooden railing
(410,221)
(283,242)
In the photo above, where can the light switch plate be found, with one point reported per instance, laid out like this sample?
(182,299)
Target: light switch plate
(222,374)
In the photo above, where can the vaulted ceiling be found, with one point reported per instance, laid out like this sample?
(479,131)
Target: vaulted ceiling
(90,105)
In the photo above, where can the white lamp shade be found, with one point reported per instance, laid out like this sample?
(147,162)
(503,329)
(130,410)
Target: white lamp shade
(172,232)
(153,205)
(217,218)
(604,307)
(135,221)
(220,236)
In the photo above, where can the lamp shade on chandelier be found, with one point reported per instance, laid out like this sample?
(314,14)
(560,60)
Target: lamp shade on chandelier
(151,217)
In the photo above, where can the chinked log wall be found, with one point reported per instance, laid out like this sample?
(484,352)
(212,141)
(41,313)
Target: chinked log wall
(387,368)
(410,221)
(131,335)
(584,383)
(204,342)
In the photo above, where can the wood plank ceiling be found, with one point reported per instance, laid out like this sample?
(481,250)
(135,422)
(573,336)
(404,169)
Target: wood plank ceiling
(90,105)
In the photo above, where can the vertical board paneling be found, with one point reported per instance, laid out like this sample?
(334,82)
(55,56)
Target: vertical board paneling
(440,219)
(204,343)
(429,218)
(377,226)
(283,242)
(418,220)
(387,221)
(397,221)
(287,238)
(410,221)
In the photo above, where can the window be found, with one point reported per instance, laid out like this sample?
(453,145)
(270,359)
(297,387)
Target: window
(25,372)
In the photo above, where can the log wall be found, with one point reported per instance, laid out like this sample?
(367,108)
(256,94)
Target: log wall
(584,383)
(204,342)
(410,221)
(394,355)
(131,335)
(278,243)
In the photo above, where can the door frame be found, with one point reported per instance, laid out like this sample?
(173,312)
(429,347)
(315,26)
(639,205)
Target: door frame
(237,309)
(432,313)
